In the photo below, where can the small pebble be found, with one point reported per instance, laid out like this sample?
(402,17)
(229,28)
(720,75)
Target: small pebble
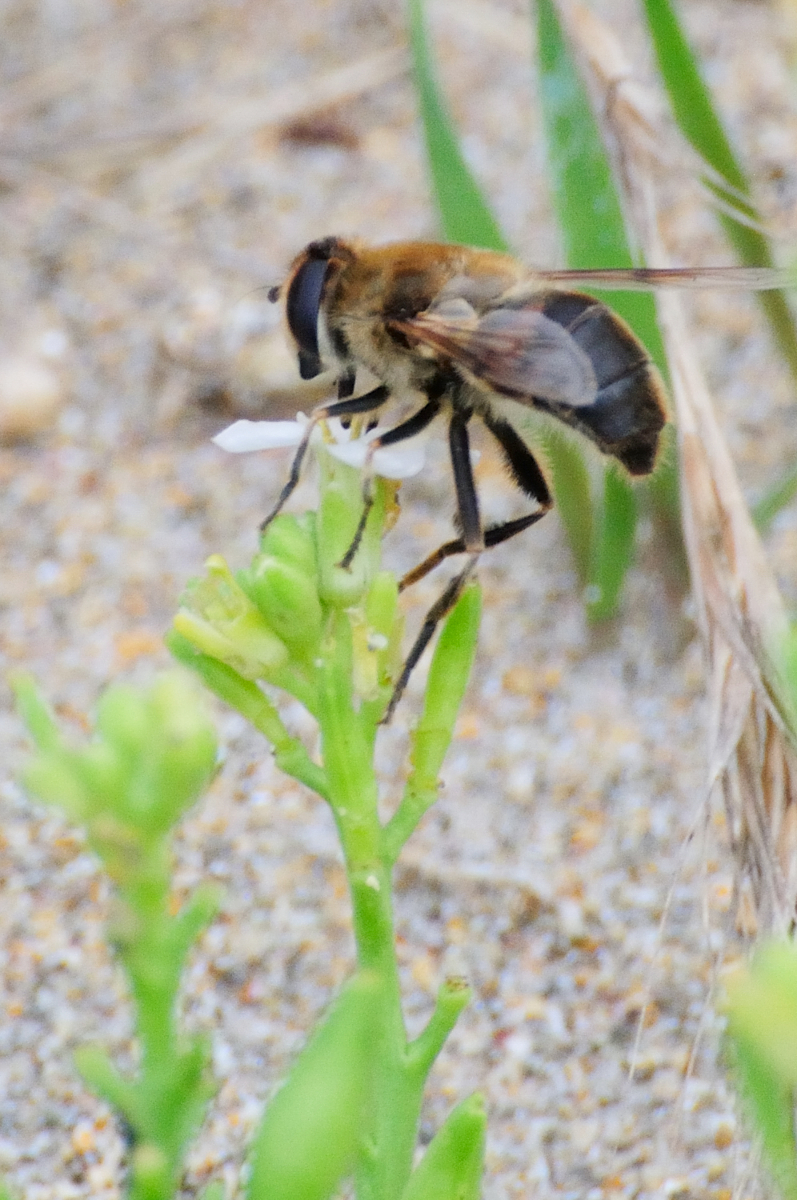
(31,393)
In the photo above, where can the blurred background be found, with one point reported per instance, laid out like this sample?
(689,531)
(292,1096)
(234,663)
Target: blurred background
(160,165)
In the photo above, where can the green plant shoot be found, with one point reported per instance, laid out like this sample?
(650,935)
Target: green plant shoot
(152,756)
(761,1004)
(295,623)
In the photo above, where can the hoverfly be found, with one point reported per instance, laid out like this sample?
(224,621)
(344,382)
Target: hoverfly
(473,332)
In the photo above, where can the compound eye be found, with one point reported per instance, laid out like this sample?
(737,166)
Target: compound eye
(301,309)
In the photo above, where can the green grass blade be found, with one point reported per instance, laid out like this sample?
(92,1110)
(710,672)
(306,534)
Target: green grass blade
(585,200)
(701,125)
(593,230)
(613,546)
(572,488)
(699,122)
(465,216)
(778,496)
(690,97)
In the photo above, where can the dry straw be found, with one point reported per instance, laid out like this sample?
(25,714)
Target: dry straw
(752,753)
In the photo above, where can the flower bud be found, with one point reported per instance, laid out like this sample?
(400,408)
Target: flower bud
(385,624)
(338,518)
(220,620)
(376,637)
(292,539)
(153,754)
(448,677)
(177,759)
(288,599)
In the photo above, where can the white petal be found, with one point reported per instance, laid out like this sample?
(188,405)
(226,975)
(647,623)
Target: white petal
(351,453)
(400,462)
(259,435)
(339,431)
(391,462)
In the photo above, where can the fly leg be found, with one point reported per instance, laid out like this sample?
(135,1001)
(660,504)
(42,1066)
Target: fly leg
(346,385)
(522,464)
(472,541)
(526,473)
(407,429)
(529,478)
(339,408)
(493,536)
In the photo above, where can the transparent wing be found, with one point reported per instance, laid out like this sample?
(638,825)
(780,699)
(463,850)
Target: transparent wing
(644,279)
(517,351)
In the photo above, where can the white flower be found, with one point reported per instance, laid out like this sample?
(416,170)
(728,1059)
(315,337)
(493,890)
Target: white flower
(242,436)
(391,462)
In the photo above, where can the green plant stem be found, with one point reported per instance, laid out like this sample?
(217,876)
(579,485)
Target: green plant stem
(385,1167)
(591,221)
(154,995)
(247,698)
(347,743)
(346,748)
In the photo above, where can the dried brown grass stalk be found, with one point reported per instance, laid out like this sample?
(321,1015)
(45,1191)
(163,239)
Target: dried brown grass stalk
(752,759)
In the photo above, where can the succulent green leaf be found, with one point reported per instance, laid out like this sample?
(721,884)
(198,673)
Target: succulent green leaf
(313,1127)
(453,1164)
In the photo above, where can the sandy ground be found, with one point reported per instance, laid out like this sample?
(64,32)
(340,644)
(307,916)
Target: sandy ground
(158,165)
